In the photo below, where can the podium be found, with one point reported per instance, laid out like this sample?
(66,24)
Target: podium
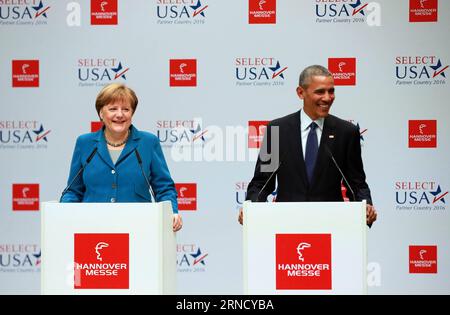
(305,248)
(107,248)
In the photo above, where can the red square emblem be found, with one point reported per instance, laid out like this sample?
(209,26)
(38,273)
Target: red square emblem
(262,11)
(256,131)
(104,12)
(187,196)
(422,134)
(101,261)
(422,259)
(183,72)
(423,10)
(343,70)
(25,197)
(96,126)
(25,73)
(303,262)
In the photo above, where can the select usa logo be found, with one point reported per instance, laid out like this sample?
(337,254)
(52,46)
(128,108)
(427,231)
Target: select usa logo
(422,133)
(191,258)
(25,73)
(423,10)
(259,71)
(303,262)
(422,259)
(187,196)
(24,12)
(95,72)
(101,261)
(104,12)
(262,11)
(420,70)
(181,132)
(183,72)
(256,131)
(20,258)
(240,193)
(23,134)
(332,11)
(25,197)
(188,12)
(420,196)
(343,70)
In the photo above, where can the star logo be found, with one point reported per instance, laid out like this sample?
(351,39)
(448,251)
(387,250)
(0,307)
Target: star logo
(198,133)
(40,11)
(357,9)
(276,72)
(199,257)
(119,71)
(436,193)
(436,69)
(38,258)
(361,132)
(198,9)
(41,134)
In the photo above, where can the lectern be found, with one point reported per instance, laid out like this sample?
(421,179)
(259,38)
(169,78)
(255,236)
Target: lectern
(107,248)
(305,248)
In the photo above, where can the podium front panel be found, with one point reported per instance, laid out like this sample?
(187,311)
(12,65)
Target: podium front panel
(305,248)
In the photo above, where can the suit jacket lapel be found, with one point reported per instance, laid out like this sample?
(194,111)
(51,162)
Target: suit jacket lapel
(327,140)
(130,146)
(295,144)
(103,149)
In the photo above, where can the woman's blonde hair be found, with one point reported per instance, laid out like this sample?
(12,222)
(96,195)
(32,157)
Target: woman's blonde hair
(116,92)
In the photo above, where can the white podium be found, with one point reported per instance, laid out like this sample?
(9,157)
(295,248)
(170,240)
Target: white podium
(107,248)
(305,248)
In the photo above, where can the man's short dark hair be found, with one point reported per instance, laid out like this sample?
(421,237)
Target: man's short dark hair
(311,71)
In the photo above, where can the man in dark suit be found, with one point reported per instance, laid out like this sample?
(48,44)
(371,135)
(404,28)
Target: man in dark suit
(298,151)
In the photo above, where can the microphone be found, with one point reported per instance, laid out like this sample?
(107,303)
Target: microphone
(88,160)
(340,171)
(143,174)
(267,181)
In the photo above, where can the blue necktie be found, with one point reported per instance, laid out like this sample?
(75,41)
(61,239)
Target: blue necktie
(312,146)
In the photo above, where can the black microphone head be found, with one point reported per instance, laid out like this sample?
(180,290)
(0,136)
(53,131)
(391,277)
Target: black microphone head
(91,155)
(138,156)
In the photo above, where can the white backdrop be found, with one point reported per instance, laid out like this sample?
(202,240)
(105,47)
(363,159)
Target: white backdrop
(221,39)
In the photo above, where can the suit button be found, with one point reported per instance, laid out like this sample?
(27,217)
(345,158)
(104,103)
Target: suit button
(113,199)
(114,186)
(113,172)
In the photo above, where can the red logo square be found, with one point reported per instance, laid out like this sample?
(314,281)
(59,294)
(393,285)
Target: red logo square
(262,11)
(422,259)
(187,196)
(303,261)
(343,70)
(104,12)
(101,261)
(25,73)
(25,197)
(423,10)
(256,131)
(183,72)
(96,126)
(422,134)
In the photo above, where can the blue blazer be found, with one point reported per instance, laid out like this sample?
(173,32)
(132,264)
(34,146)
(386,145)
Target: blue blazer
(103,181)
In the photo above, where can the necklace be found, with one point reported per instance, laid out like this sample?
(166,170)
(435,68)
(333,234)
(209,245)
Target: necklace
(115,145)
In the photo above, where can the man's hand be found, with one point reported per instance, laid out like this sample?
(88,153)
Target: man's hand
(241,216)
(177,222)
(371,214)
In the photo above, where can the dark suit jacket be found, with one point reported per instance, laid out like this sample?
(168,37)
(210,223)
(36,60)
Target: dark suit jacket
(343,140)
